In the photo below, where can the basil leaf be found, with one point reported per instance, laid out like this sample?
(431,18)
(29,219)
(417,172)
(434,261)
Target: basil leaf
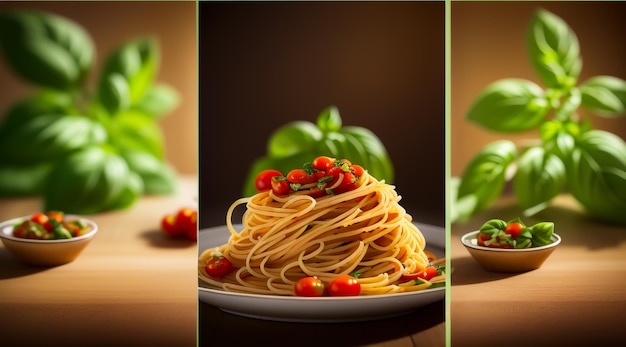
(158,100)
(16,180)
(605,95)
(329,120)
(596,173)
(157,177)
(484,178)
(130,193)
(115,93)
(137,62)
(88,181)
(540,177)
(293,138)
(133,130)
(377,160)
(49,137)
(492,227)
(554,50)
(46,49)
(510,105)
(542,233)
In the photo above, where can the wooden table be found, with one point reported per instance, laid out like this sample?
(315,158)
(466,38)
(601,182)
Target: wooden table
(131,286)
(577,298)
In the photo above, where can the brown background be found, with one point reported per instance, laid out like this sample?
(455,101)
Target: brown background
(110,24)
(488,43)
(264,64)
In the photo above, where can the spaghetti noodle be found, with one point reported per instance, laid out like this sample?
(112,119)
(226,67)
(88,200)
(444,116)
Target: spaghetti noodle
(288,237)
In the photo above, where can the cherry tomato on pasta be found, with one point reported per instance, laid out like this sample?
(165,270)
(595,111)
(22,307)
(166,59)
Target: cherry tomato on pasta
(323,163)
(309,286)
(263,180)
(299,176)
(425,274)
(280,185)
(218,266)
(344,285)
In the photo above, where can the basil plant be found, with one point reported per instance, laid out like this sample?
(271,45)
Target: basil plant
(570,155)
(84,150)
(299,142)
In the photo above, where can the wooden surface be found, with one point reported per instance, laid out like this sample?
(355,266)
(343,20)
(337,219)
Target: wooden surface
(130,286)
(577,298)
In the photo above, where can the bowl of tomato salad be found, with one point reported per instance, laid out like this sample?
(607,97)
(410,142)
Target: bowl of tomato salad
(511,246)
(47,239)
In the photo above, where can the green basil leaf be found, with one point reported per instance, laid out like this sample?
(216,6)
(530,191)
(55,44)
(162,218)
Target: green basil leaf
(283,164)
(540,176)
(133,130)
(596,173)
(492,226)
(115,93)
(554,50)
(329,120)
(41,103)
(158,100)
(18,180)
(87,181)
(377,162)
(542,233)
(137,62)
(49,137)
(483,179)
(133,189)
(46,49)
(293,138)
(605,95)
(157,176)
(510,105)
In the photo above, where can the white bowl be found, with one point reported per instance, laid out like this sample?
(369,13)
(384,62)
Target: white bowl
(508,260)
(45,252)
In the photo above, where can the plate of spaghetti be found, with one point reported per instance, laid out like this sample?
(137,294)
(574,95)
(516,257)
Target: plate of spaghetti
(327,225)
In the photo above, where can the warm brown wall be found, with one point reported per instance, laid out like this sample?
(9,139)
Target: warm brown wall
(488,43)
(112,23)
(264,64)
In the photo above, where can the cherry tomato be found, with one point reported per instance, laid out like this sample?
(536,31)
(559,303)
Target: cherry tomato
(280,185)
(425,274)
(482,238)
(192,229)
(218,266)
(514,229)
(42,219)
(299,176)
(309,286)
(169,227)
(323,163)
(56,215)
(357,170)
(344,285)
(263,182)
(186,218)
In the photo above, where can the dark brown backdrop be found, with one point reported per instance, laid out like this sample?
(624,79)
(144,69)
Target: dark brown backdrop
(265,64)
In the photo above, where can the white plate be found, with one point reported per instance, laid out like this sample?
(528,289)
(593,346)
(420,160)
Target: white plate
(324,309)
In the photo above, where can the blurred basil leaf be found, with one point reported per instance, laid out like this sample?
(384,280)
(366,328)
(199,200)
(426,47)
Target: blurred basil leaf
(88,181)
(329,120)
(158,100)
(157,176)
(18,180)
(132,130)
(554,50)
(542,233)
(540,176)
(46,49)
(293,138)
(483,179)
(493,226)
(115,93)
(606,95)
(510,105)
(136,61)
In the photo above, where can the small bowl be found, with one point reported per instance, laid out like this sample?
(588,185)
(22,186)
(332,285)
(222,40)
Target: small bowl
(45,252)
(508,260)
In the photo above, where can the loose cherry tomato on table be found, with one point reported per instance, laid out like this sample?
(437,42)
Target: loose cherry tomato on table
(344,285)
(263,180)
(309,286)
(182,223)
(218,266)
